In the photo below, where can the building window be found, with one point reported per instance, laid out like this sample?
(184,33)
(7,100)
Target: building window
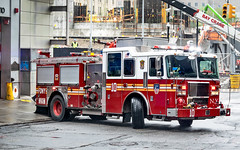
(129,67)
(100,11)
(114,64)
(196,4)
(189,4)
(203,4)
(113,2)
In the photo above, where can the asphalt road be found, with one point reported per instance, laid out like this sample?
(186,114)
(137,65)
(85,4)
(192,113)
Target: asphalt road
(83,133)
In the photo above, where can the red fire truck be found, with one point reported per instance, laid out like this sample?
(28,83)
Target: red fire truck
(165,83)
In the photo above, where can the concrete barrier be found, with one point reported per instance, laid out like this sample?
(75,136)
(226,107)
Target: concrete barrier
(235,79)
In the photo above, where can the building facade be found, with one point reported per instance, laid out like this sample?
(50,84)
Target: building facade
(25,28)
(214,3)
(35,34)
(9,44)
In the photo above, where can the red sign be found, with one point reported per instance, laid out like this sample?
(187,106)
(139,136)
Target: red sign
(238,62)
(213,20)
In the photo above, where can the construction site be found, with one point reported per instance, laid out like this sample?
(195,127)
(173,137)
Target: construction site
(124,19)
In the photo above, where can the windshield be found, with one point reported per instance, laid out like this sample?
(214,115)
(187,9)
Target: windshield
(181,66)
(207,67)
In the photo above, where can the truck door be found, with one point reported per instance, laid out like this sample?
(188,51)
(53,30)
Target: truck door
(157,87)
(114,68)
(129,75)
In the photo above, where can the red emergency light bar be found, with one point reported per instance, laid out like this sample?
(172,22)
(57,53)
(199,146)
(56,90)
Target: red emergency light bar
(76,54)
(186,48)
(168,47)
(44,53)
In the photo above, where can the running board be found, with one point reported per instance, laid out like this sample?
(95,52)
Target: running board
(89,111)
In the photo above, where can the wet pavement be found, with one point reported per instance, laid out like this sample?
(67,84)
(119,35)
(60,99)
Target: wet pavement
(19,111)
(83,133)
(22,110)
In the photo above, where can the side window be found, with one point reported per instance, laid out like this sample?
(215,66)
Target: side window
(205,66)
(152,67)
(114,64)
(129,67)
(156,66)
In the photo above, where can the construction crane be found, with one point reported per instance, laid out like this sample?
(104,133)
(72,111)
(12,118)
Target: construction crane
(220,26)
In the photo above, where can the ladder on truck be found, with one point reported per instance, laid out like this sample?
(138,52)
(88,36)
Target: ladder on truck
(59,60)
(220,26)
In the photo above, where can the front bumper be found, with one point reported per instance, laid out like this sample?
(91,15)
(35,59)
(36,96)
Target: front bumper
(198,113)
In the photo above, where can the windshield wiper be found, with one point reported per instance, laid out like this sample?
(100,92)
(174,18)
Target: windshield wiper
(182,80)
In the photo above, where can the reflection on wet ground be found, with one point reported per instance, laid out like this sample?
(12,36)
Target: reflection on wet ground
(17,111)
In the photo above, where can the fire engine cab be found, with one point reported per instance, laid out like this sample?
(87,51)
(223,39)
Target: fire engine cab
(160,82)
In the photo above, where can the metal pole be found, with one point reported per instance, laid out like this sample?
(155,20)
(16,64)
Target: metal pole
(168,24)
(67,23)
(135,16)
(197,35)
(233,62)
(142,18)
(181,28)
(234,54)
(173,27)
(168,15)
(168,28)
(90,42)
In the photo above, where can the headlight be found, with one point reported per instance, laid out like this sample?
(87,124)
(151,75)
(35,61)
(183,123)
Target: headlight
(214,93)
(181,93)
(181,90)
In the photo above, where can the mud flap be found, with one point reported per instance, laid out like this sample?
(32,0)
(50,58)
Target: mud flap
(126,117)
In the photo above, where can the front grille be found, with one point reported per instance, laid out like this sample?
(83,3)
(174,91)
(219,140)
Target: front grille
(198,93)
(200,101)
(198,89)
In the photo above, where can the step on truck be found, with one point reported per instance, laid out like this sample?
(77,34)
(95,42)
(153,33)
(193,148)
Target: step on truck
(161,82)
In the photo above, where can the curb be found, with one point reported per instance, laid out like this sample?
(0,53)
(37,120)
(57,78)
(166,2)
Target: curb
(26,122)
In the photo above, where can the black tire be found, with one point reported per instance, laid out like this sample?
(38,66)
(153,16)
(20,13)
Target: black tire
(95,117)
(137,113)
(185,123)
(58,108)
